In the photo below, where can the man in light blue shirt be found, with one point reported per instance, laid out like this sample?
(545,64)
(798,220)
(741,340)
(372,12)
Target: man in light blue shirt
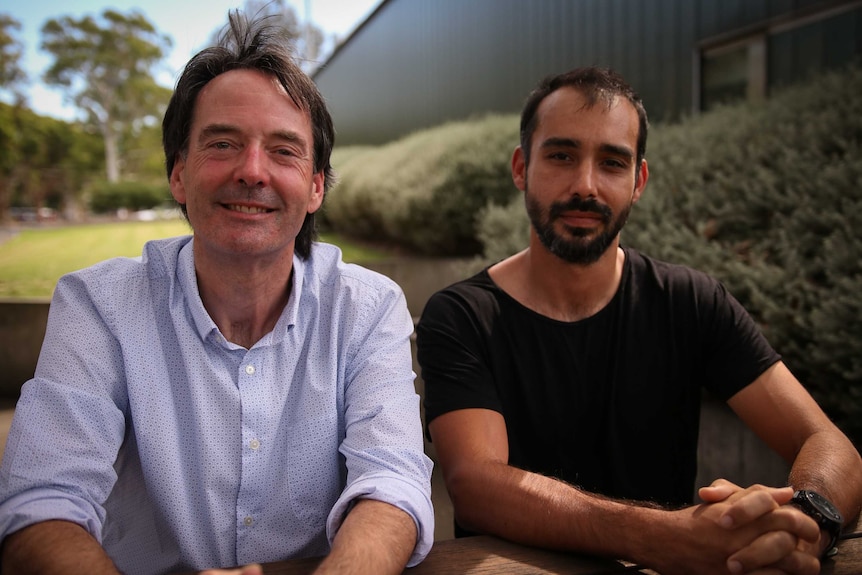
(233,397)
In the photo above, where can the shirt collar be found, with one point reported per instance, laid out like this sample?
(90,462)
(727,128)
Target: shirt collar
(206,327)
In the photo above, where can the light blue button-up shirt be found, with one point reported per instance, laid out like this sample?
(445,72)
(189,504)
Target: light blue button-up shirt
(178,450)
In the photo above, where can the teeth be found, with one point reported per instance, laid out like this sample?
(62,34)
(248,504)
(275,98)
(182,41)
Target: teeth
(246,209)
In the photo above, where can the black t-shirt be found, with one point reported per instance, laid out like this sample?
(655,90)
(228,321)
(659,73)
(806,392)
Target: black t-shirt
(610,403)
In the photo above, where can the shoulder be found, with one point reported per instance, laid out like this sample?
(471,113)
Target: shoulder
(122,277)
(327,276)
(696,296)
(473,302)
(676,279)
(478,292)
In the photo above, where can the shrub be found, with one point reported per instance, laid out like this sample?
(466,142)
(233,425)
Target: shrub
(769,199)
(424,191)
(107,197)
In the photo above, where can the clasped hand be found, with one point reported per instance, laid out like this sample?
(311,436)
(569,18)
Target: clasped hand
(758,532)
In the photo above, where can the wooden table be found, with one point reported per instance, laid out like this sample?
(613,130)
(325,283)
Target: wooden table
(489,555)
(482,556)
(848,561)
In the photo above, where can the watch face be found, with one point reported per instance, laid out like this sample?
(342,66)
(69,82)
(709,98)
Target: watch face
(824,506)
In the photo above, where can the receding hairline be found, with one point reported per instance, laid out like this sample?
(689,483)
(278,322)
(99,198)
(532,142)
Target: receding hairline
(607,102)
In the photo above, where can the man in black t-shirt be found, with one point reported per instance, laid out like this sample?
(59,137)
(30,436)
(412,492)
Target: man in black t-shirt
(563,384)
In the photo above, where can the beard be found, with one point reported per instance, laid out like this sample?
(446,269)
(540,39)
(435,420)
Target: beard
(575,245)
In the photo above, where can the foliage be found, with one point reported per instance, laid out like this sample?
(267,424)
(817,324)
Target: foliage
(105,67)
(109,197)
(503,230)
(423,192)
(143,155)
(44,161)
(33,261)
(12,76)
(769,199)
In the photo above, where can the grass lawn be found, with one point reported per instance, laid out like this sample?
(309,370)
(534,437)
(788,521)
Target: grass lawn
(33,260)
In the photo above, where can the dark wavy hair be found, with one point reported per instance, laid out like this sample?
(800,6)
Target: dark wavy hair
(251,45)
(597,85)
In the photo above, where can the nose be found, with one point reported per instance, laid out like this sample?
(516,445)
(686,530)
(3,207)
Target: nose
(251,168)
(584,180)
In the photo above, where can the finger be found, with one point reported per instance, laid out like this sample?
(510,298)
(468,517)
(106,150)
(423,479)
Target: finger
(253,569)
(718,490)
(782,495)
(791,519)
(799,563)
(763,552)
(745,507)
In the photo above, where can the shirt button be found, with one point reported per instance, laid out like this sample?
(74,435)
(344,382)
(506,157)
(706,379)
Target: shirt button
(249,369)
(248,520)
(254,444)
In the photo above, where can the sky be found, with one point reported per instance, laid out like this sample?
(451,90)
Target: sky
(189,23)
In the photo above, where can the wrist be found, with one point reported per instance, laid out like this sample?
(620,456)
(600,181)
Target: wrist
(639,529)
(827,516)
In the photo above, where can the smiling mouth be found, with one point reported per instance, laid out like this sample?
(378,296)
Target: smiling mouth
(247,209)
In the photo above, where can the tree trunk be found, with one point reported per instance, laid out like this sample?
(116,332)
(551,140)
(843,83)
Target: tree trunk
(112,159)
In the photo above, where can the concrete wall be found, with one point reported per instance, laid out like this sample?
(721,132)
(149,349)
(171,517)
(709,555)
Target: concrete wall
(22,328)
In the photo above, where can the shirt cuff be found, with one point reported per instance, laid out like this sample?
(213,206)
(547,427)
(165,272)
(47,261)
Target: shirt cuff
(395,491)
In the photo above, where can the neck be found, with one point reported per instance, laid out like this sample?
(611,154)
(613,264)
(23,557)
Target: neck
(559,289)
(245,300)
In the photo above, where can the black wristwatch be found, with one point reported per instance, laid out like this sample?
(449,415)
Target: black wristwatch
(823,512)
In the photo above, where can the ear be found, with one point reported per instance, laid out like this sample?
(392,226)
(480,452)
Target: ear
(519,169)
(642,176)
(315,199)
(178,187)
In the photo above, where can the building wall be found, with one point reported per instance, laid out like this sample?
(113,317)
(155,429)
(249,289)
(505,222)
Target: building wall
(419,63)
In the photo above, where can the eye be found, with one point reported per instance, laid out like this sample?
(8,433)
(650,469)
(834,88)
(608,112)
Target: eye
(221,145)
(615,163)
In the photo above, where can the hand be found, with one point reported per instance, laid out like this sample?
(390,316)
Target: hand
(788,541)
(253,569)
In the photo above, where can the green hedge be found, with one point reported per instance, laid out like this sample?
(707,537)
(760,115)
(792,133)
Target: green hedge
(107,197)
(424,191)
(772,204)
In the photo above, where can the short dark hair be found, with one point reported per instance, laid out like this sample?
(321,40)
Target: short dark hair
(251,45)
(596,84)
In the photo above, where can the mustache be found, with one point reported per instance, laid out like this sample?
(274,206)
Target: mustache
(577,204)
(243,192)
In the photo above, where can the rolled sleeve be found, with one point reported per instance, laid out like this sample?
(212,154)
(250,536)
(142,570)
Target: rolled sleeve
(383,446)
(406,495)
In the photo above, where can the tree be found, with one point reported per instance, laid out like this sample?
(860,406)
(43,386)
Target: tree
(12,77)
(45,162)
(306,38)
(105,66)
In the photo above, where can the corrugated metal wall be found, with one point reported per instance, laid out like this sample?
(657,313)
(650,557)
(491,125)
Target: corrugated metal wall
(418,63)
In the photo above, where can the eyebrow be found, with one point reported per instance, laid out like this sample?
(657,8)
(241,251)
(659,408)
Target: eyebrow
(555,142)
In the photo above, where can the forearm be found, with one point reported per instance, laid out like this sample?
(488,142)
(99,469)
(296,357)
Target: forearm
(375,538)
(829,464)
(542,511)
(57,547)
